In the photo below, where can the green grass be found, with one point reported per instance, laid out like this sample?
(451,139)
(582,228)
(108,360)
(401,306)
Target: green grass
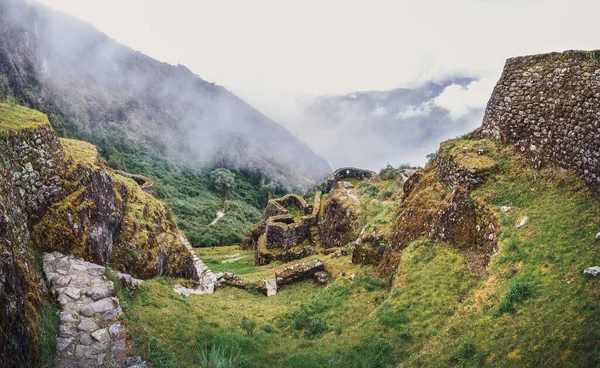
(49,317)
(80,150)
(15,117)
(530,307)
(534,307)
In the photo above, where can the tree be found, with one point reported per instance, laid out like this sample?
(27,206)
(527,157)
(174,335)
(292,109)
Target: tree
(221,181)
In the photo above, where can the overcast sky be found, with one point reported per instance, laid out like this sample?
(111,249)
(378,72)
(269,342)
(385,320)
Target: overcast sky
(276,53)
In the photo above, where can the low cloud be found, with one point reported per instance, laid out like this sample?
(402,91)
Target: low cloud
(461,101)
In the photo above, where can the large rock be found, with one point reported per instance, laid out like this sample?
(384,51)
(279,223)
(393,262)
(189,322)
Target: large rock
(340,222)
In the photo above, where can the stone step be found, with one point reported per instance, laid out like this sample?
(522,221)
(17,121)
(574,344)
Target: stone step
(90,333)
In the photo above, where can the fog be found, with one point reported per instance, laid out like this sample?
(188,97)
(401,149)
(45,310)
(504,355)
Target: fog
(125,101)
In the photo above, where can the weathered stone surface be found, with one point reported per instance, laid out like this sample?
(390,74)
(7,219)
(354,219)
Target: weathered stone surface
(339,225)
(102,335)
(547,106)
(283,230)
(369,248)
(206,278)
(100,306)
(298,272)
(522,222)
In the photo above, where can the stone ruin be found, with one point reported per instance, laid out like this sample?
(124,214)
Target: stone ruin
(547,106)
(348,172)
(146,184)
(284,231)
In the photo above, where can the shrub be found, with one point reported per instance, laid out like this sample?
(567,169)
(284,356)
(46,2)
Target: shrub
(518,291)
(218,357)
(248,325)
(268,328)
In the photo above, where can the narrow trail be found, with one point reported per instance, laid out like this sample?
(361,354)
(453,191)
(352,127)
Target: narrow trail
(91,333)
(220,214)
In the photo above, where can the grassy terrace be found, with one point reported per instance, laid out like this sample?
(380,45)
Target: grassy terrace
(15,117)
(80,151)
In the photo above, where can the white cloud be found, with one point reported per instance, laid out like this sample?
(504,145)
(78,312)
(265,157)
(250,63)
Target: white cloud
(411,111)
(460,101)
(379,111)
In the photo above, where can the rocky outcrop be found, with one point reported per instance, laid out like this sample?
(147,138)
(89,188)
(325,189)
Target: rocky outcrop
(434,210)
(91,333)
(369,248)
(86,221)
(547,107)
(60,196)
(145,183)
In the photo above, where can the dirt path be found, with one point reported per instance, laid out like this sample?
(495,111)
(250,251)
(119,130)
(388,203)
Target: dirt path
(220,214)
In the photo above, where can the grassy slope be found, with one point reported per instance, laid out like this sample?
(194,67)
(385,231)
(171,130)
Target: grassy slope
(15,117)
(195,204)
(532,307)
(540,264)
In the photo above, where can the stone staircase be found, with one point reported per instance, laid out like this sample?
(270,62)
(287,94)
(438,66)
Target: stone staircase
(206,278)
(90,333)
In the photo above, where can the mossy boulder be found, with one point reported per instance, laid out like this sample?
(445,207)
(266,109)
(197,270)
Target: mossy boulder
(340,223)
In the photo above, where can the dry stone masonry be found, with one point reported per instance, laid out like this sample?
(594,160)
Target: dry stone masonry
(206,278)
(348,172)
(91,333)
(549,107)
(282,230)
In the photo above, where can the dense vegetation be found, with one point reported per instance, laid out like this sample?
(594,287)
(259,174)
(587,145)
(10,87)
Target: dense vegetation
(196,196)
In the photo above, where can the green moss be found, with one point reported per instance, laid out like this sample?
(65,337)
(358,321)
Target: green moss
(471,153)
(15,117)
(80,151)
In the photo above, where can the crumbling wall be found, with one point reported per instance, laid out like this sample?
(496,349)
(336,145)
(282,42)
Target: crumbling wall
(548,106)
(282,231)
(348,172)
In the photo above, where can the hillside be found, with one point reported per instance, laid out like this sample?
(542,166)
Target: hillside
(149,117)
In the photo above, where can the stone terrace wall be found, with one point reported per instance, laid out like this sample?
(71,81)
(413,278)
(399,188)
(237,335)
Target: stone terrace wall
(348,172)
(549,107)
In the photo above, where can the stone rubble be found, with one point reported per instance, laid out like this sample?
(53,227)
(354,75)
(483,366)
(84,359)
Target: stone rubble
(206,278)
(522,222)
(90,331)
(594,271)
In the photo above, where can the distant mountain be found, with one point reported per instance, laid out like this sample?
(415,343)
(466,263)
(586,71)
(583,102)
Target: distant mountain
(370,129)
(95,89)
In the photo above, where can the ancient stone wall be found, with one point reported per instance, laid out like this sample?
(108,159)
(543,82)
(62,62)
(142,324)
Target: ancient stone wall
(37,163)
(19,285)
(348,172)
(548,106)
